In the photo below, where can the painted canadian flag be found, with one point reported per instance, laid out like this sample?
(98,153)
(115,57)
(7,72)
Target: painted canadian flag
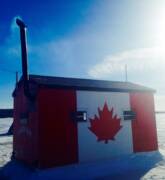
(106,126)
(106,134)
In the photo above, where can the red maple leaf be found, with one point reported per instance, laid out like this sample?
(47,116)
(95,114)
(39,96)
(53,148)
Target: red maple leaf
(106,126)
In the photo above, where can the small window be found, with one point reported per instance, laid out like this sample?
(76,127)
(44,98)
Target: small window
(24,118)
(129,115)
(80,116)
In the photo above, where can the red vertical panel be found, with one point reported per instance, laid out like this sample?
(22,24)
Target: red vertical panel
(144,126)
(25,132)
(57,131)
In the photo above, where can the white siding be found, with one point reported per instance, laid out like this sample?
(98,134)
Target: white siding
(89,148)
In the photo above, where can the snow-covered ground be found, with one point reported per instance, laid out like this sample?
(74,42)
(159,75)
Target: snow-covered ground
(5,141)
(136,166)
(158,172)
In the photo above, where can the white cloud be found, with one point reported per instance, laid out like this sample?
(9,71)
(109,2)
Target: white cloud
(137,60)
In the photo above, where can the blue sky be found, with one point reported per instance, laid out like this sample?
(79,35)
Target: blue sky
(87,39)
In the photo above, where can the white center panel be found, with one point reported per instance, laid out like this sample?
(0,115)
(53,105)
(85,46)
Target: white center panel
(89,148)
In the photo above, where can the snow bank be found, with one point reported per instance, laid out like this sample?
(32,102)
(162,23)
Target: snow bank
(5,124)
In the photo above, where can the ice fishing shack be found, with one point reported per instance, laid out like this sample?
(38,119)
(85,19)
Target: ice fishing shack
(59,121)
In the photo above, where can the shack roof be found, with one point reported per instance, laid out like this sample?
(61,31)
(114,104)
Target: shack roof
(88,84)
